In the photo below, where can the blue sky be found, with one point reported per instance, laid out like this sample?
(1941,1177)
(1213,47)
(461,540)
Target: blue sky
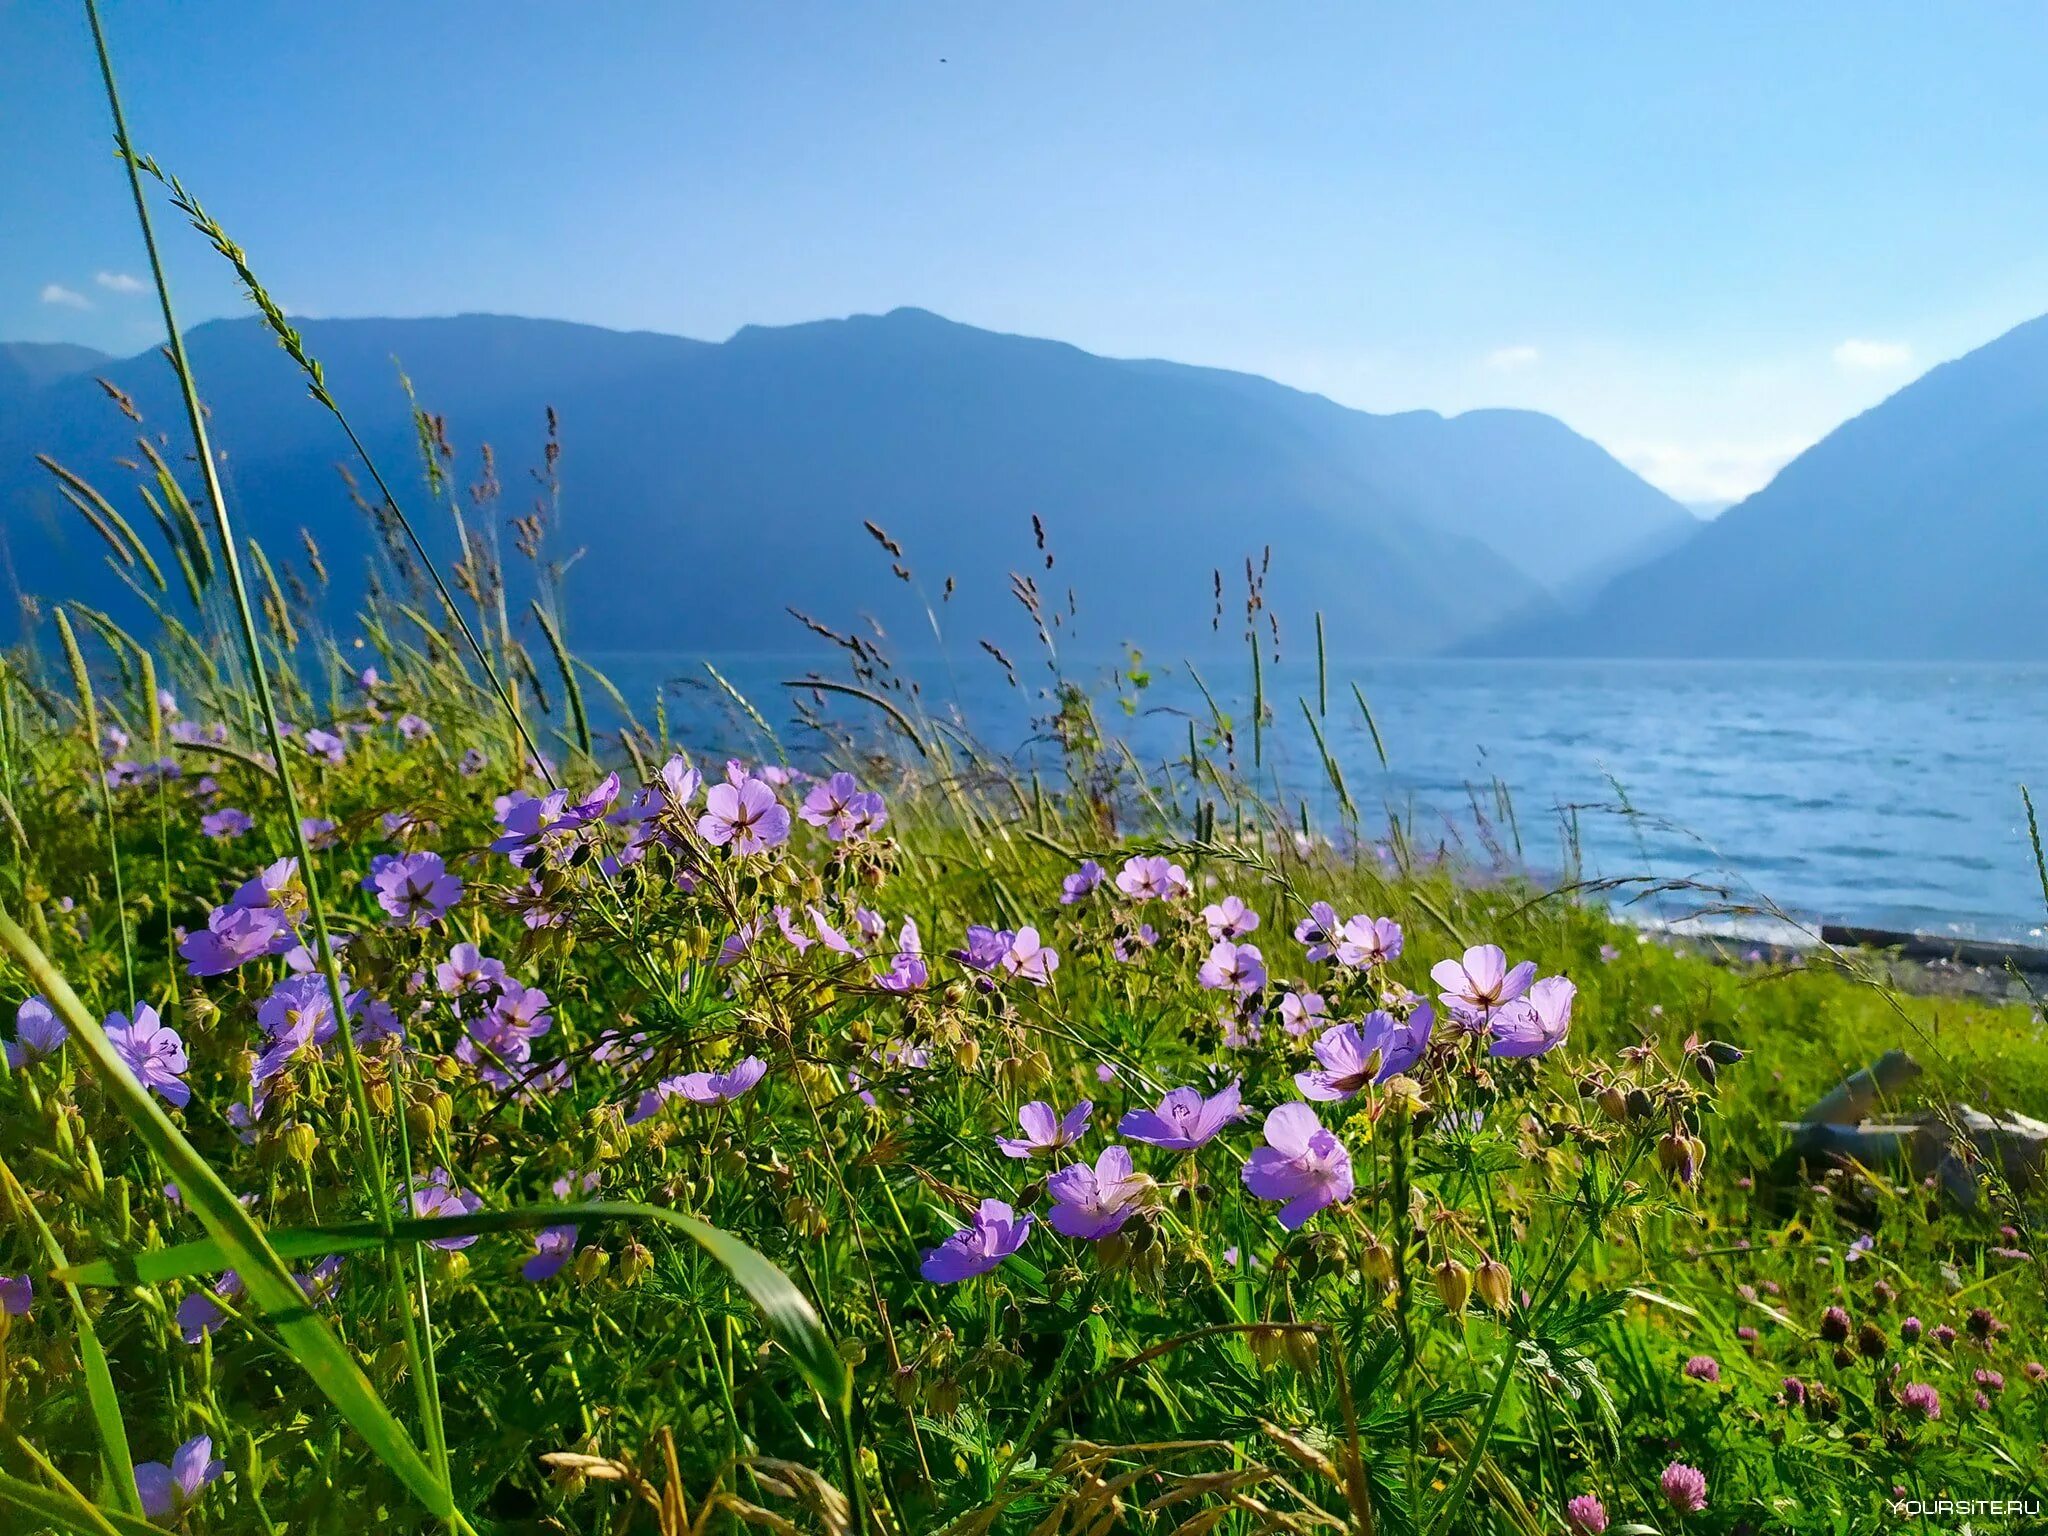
(1700,234)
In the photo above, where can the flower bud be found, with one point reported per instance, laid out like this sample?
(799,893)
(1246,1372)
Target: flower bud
(590,1263)
(1377,1262)
(1722,1052)
(635,1263)
(1614,1104)
(1453,1285)
(1300,1347)
(1266,1344)
(300,1142)
(966,1054)
(1495,1285)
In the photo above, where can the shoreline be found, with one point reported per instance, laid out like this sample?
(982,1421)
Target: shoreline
(1922,964)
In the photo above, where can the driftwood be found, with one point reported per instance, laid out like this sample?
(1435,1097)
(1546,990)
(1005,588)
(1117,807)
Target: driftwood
(1927,1143)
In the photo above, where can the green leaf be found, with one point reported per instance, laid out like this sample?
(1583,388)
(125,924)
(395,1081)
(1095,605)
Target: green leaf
(786,1310)
(239,1239)
(60,1513)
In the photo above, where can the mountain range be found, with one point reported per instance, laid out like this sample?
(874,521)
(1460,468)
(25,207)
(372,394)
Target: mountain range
(710,486)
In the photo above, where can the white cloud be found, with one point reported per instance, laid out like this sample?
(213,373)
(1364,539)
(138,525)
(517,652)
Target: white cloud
(69,298)
(1723,471)
(118,282)
(1512,359)
(1872,356)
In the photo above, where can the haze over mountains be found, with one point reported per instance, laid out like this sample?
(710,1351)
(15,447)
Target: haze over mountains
(1919,529)
(713,484)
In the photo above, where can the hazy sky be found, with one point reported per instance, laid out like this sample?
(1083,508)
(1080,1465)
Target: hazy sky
(1702,234)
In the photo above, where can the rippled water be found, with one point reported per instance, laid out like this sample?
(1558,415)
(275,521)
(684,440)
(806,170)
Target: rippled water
(1883,794)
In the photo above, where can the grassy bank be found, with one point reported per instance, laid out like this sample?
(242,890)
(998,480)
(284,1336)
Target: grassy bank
(429,1110)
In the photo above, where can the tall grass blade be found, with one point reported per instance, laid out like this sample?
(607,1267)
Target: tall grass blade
(64,1512)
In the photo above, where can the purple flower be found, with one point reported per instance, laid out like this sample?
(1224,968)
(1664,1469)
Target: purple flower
(1857,1249)
(1301,1164)
(1364,942)
(413,728)
(319,1283)
(1235,967)
(1319,931)
(797,939)
(234,936)
(1029,958)
(1127,947)
(1347,1065)
(153,1051)
(324,744)
(1183,1120)
(435,1195)
(830,936)
(842,808)
(1921,1398)
(468,969)
(545,829)
(1081,884)
(1152,878)
(166,1490)
(227,822)
(997,1232)
(1229,918)
(473,763)
(1402,1043)
(1093,1202)
(415,888)
(319,832)
(735,946)
(17,1295)
(986,947)
(199,1314)
(299,1004)
(1531,1025)
(1046,1129)
(745,816)
(38,1032)
(1685,1488)
(1703,1368)
(1477,986)
(552,1248)
(1302,1012)
(907,970)
(722,1087)
(1586,1515)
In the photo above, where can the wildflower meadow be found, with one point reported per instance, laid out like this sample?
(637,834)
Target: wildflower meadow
(436,1097)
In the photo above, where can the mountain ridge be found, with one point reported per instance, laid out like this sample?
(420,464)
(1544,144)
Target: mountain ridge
(951,435)
(1914,530)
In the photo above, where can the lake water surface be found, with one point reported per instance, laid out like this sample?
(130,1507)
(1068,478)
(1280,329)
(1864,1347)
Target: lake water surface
(1880,793)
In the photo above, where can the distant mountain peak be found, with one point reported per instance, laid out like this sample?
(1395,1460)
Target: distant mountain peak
(1917,529)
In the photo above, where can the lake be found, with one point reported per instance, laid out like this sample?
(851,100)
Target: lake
(1877,793)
